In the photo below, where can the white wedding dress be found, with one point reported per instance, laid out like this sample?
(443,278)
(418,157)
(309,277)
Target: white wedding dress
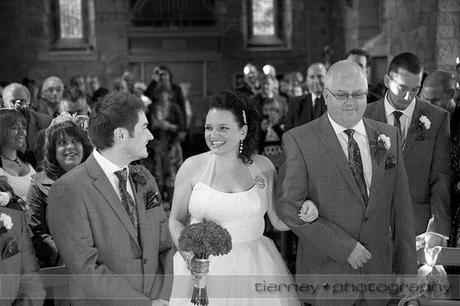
(253,273)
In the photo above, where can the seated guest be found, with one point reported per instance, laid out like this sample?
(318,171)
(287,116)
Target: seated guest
(17,96)
(19,282)
(66,146)
(167,123)
(272,129)
(14,165)
(51,96)
(363,59)
(75,103)
(308,107)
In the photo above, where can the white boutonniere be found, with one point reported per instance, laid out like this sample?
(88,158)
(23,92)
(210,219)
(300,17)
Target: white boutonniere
(383,141)
(5,221)
(5,198)
(425,121)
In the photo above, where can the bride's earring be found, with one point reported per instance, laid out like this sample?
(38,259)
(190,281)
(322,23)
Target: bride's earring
(241,147)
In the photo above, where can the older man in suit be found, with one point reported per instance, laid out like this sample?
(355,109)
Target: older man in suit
(20,283)
(353,169)
(106,215)
(426,145)
(308,107)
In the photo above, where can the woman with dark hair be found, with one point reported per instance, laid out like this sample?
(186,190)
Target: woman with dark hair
(15,167)
(232,186)
(66,146)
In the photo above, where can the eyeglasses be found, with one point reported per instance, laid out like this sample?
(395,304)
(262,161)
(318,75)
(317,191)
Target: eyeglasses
(343,96)
(404,89)
(52,89)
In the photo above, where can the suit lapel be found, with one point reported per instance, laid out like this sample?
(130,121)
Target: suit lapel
(414,130)
(328,137)
(144,229)
(105,188)
(378,114)
(305,110)
(377,170)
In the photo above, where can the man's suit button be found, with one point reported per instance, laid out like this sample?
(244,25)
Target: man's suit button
(144,260)
(365,219)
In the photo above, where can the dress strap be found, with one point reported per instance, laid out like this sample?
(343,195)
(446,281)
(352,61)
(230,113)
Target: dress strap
(208,173)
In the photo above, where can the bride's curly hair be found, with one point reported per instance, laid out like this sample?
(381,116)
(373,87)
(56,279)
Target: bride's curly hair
(237,103)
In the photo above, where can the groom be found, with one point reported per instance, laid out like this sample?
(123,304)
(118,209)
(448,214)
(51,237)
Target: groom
(352,169)
(106,215)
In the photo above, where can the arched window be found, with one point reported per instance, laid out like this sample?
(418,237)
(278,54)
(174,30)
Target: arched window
(268,24)
(70,19)
(70,24)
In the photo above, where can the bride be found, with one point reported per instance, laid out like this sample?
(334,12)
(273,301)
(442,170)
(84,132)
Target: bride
(233,187)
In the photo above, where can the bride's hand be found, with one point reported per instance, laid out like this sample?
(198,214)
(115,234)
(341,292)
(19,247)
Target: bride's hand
(308,212)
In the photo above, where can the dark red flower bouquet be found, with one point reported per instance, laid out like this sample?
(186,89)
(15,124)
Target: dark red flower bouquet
(201,240)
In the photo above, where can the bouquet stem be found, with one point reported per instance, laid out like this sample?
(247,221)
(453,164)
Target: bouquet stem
(200,294)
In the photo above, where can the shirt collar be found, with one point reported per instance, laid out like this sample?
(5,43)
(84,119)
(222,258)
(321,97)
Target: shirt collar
(107,165)
(313,96)
(389,109)
(359,127)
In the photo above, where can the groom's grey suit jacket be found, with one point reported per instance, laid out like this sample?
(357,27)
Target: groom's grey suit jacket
(94,235)
(316,168)
(427,159)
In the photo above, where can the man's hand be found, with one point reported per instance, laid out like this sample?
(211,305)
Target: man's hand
(359,256)
(160,302)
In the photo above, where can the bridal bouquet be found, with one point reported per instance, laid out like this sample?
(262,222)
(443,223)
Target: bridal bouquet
(201,240)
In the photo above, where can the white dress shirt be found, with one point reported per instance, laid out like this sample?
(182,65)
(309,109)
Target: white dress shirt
(313,98)
(109,169)
(360,137)
(405,119)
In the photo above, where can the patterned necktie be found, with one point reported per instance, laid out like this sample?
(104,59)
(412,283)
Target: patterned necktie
(356,164)
(397,123)
(126,198)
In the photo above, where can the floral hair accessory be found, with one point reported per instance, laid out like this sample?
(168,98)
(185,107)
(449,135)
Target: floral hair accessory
(425,121)
(80,120)
(384,140)
(6,222)
(244,117)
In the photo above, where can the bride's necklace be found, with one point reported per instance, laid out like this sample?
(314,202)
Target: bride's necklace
(16,160)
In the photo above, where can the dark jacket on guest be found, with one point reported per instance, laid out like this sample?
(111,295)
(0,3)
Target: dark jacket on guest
(301,111)
(42,240)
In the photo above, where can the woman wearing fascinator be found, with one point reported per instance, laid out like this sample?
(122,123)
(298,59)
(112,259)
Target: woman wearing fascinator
(232,186)
(66,146)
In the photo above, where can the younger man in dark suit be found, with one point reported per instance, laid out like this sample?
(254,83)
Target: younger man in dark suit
(424,129)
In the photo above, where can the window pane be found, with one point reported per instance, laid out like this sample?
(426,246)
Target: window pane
(70,16)
(263,17)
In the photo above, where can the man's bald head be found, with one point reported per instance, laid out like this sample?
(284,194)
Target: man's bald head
(439,89)
(16,95)
(345,93)
(345,72)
